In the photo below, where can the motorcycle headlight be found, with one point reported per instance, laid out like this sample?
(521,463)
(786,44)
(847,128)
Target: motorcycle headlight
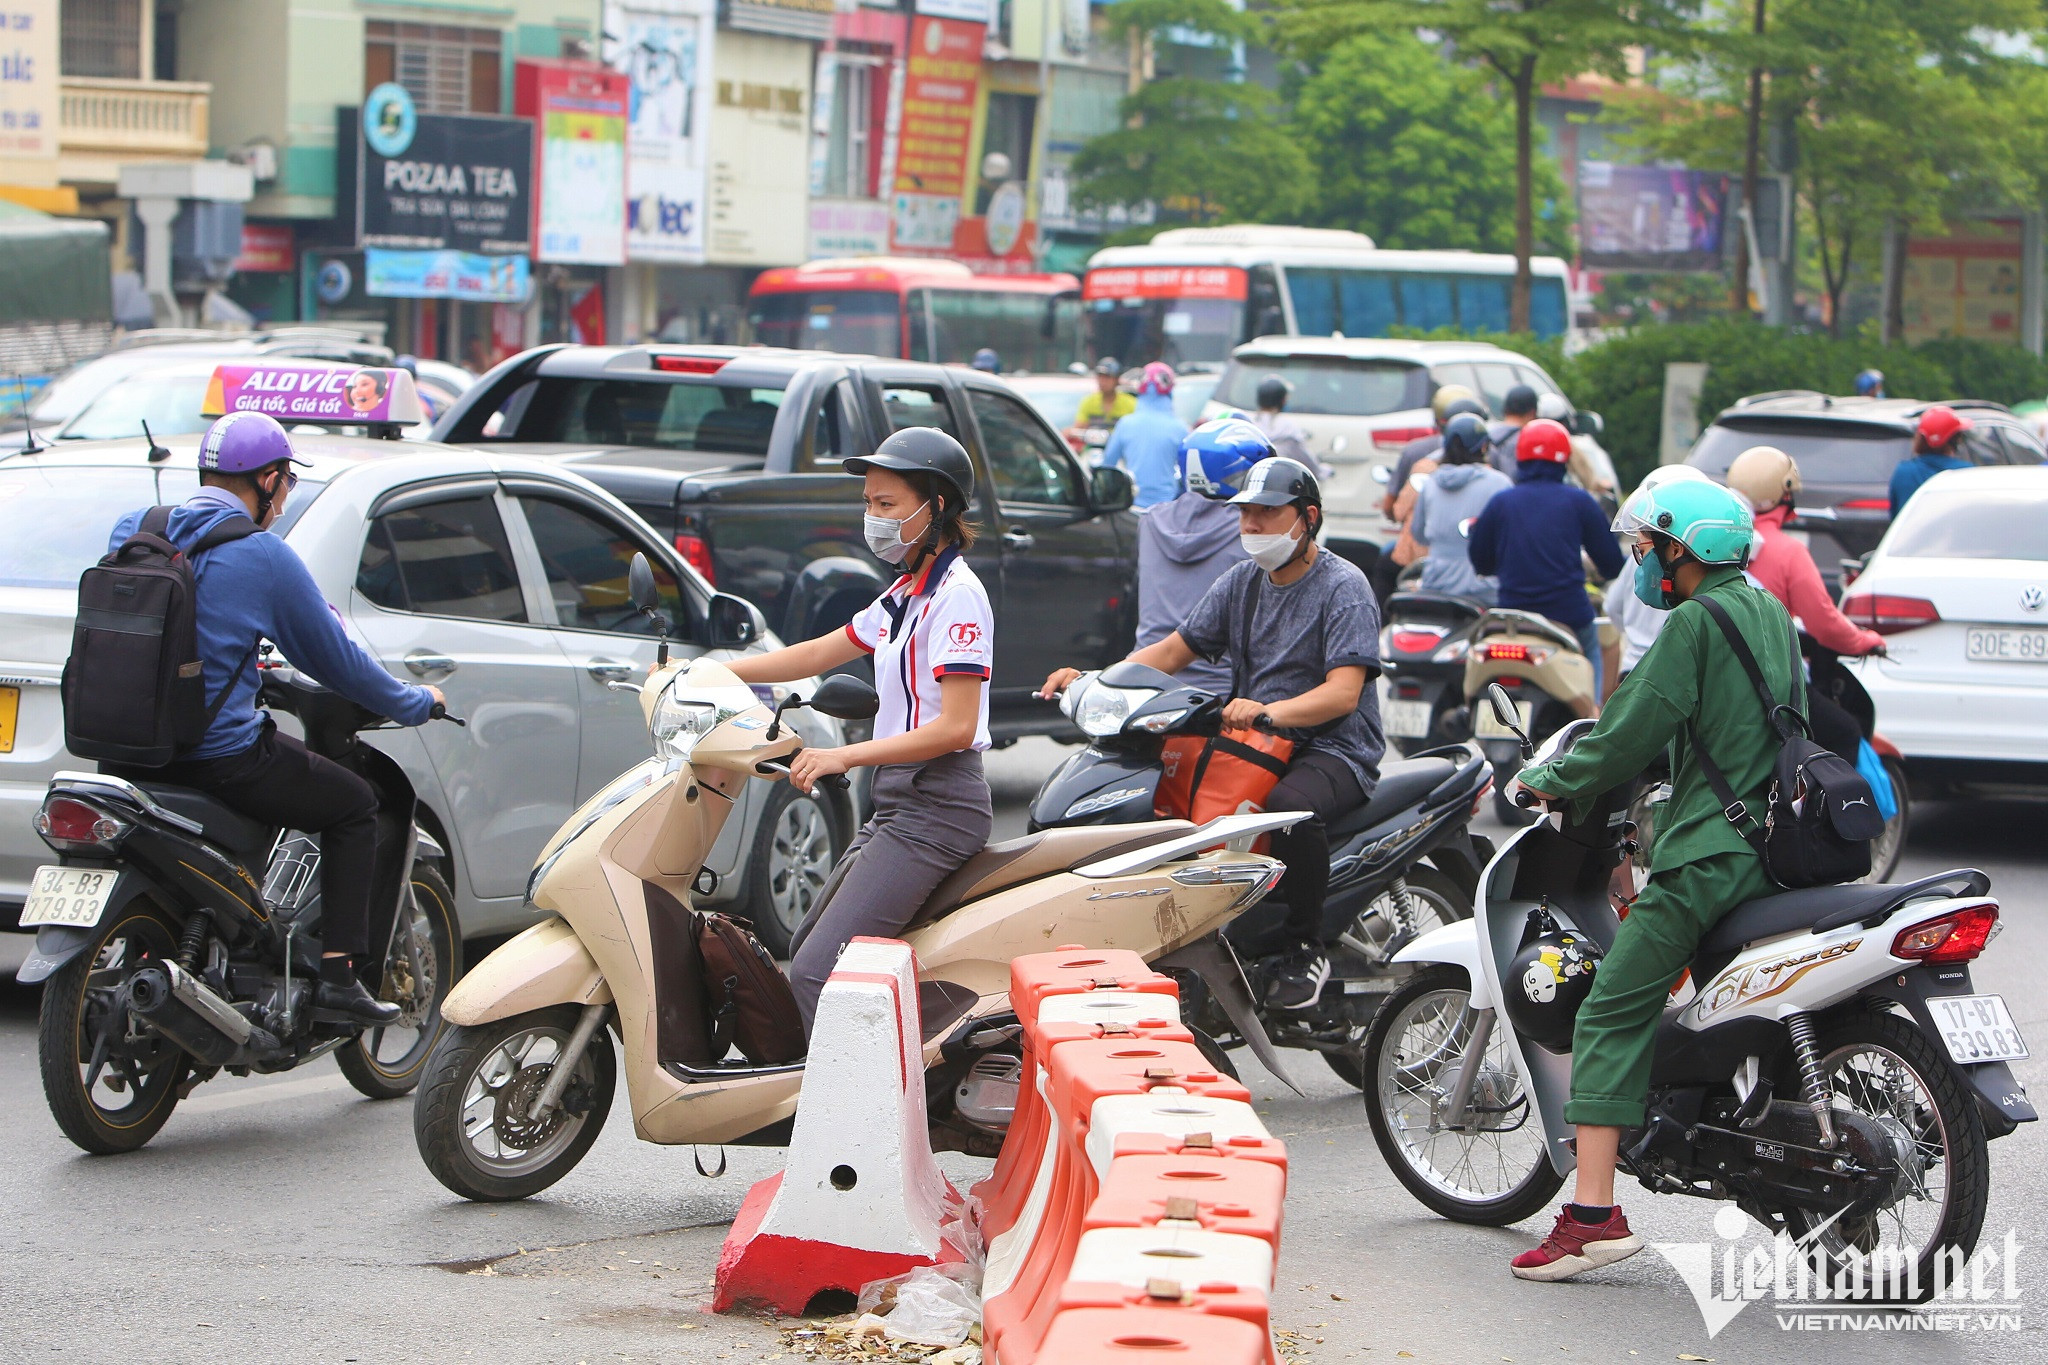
(677,725)
(1162,722)
(1103,710)
(1076,689)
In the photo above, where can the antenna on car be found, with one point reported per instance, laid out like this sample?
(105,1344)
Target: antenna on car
(28,426)
(157,454)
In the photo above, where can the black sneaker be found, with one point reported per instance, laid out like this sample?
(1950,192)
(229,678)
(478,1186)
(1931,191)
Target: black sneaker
(1294,981)
(349,1003)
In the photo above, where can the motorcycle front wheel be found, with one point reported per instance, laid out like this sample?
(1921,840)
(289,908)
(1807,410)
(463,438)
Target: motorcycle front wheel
(1438,901)
(423,964)
(1490,1169)
(472,1117)
(110,1083)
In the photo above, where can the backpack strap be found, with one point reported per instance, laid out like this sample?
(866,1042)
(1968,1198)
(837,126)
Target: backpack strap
(156,522)
(1772,707)
(1733,807)
(230,529)
(1247,604)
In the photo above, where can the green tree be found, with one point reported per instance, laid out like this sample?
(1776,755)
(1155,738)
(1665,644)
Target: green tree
(1417,151)
(1199,149)
(1527,43)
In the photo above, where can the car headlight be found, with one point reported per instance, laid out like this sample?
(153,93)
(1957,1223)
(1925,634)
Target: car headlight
(1103,709)
(677,725)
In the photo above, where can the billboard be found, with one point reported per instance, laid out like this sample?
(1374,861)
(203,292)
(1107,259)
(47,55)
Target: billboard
(580,110)
(1964,284)
(1650,217)
(446,275)
(664,47)
(942,81)
(28,87)
(435,182)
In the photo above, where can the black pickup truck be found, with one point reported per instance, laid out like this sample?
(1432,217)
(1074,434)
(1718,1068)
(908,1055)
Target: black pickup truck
(734,453)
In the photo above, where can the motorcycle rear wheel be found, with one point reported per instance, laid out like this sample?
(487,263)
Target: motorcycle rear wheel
(92,1052)
(419,979)
(469,1116)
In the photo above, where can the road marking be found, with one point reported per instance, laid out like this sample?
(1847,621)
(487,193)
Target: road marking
(245,1095)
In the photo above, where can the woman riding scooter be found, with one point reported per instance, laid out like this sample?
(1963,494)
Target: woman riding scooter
(932,635)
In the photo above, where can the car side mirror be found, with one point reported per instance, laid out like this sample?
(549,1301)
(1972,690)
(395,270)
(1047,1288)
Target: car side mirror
(734,622)
(845,697)
(1110,489)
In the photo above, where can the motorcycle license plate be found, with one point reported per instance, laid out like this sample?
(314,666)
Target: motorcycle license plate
(74,896)
(1485,726)
(1977,1028)
(1405,719)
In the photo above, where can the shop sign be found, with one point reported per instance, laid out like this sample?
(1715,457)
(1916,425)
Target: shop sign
(664,47)
(28,82)
(942,81)
(964,11)
(760,187)
(581,112)
(1165,282)
(267,248)
(849,227)
(461,275)
(442,181)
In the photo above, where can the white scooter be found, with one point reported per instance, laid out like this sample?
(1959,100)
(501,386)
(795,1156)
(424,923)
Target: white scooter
(1826,1064)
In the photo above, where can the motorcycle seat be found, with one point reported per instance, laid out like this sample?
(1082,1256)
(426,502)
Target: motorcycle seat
(249,839)
(1402,783)
(1014,861)
(1819,909)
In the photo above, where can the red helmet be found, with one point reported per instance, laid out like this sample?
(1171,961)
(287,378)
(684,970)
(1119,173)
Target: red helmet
(1939,425)
(1544,439)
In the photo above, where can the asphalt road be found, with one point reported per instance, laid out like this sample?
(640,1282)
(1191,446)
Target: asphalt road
(286,1219)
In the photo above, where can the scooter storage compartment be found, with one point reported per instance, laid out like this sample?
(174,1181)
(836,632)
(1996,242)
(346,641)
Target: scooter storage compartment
(681,1017)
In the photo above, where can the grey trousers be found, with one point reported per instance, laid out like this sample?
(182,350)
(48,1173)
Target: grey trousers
(929,818)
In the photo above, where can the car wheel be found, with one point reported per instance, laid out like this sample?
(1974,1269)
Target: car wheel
(796,843)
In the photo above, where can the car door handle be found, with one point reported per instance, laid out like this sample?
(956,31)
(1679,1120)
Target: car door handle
(1018,540)
(421,663)
(606,670)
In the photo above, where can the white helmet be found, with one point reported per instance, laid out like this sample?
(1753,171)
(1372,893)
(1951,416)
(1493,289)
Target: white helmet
(1625,522)
(1555,406)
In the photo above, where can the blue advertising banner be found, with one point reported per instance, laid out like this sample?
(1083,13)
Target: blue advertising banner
(446,275)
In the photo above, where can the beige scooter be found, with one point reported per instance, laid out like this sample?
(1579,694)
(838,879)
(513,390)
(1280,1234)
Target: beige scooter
(1546,674)
(521,1080)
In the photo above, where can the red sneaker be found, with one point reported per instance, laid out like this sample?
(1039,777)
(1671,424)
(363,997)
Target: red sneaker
(1573,1247)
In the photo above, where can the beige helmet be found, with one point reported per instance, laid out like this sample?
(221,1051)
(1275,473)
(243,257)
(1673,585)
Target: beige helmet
(1765,475)
(1447,394)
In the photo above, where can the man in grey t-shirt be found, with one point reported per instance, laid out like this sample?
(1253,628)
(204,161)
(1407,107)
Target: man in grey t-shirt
(1306,627)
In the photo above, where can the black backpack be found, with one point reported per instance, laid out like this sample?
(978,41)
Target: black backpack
(1819,813)
(134,687)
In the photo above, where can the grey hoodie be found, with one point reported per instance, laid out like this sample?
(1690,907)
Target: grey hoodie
(1444,512)
(1184,545)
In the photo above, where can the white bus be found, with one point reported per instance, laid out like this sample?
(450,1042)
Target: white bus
(1193,294)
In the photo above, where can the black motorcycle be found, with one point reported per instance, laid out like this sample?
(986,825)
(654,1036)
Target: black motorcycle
(1400,865)
(180,938)
(1422,650)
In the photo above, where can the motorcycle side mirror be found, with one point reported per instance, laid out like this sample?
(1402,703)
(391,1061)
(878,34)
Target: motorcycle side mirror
(645,595)
(1508,717)
(845,697)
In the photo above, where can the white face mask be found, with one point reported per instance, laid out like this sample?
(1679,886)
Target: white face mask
(885,536)
(1270,552)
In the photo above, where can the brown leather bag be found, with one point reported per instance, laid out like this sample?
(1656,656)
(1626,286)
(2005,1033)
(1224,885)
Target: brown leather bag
(747,997)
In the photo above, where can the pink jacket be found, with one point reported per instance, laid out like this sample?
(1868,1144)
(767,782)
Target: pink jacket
(1786,570)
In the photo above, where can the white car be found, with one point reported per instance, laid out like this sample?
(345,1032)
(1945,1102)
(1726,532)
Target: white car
(1959,589)
(500,579)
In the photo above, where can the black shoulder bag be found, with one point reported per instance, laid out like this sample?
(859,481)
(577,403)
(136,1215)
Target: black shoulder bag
(1819,813)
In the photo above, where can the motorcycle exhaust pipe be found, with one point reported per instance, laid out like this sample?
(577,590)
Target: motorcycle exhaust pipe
(178,1005)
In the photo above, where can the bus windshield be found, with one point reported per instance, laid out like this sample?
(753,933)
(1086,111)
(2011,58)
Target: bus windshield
(859,321)
(1030,331)
(1182,332)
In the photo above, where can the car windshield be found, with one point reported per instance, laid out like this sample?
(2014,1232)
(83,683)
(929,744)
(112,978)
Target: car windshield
(858,321)
(169,402)
(1963,522)
(688,414)
(68,394)
(1827,452)
(60,517)
(1327,385)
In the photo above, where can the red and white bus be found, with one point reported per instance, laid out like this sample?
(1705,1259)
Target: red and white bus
(916,309)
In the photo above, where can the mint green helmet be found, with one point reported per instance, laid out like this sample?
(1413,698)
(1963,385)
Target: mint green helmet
(1714,525)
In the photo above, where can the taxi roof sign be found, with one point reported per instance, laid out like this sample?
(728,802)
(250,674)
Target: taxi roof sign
(314,391)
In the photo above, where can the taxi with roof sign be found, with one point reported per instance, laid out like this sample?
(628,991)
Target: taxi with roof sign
(183,400)
(497,577)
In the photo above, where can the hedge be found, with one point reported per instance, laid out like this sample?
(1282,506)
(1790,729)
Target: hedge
(1622,377)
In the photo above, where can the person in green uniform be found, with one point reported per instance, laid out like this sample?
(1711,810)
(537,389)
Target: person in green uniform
(1691,541)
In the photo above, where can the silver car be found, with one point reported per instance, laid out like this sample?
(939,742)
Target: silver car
(501,580)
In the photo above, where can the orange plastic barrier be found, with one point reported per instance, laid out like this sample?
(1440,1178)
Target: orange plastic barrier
(1132,1336)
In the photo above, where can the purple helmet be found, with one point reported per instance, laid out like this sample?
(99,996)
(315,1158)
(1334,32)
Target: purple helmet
(242,442)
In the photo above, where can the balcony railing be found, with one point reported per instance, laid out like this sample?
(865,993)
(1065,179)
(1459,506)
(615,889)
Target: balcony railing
(140,119)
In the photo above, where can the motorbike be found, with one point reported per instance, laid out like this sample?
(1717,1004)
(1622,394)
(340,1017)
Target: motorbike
(1547,676)
(1826,1065)
(520,1083)
(1400,865)
(179,938)
(1422,650)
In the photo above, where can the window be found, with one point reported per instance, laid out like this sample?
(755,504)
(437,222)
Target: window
(1494,383)
(442,559)
(1969,523)
(1024,463)
(586,558)
(100,38)
(651,413)
(850,147)
(1546,307)
(1358,303)
(915,405)
(447,70)
(1331,386)
(832,434)
(1426,302)
(1483,303)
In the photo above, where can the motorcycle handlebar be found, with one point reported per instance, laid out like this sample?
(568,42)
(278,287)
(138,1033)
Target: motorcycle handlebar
(836,781)
(441,712)
(1526,799)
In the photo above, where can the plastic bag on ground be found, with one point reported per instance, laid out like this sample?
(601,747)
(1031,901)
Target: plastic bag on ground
(931,1306)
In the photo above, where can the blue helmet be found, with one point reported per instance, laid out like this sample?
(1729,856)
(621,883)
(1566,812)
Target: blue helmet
(1870,383)
(1216,455)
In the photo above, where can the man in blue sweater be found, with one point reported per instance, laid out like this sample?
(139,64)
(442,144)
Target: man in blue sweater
(1148,441)
(254,589)
(1531,537)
